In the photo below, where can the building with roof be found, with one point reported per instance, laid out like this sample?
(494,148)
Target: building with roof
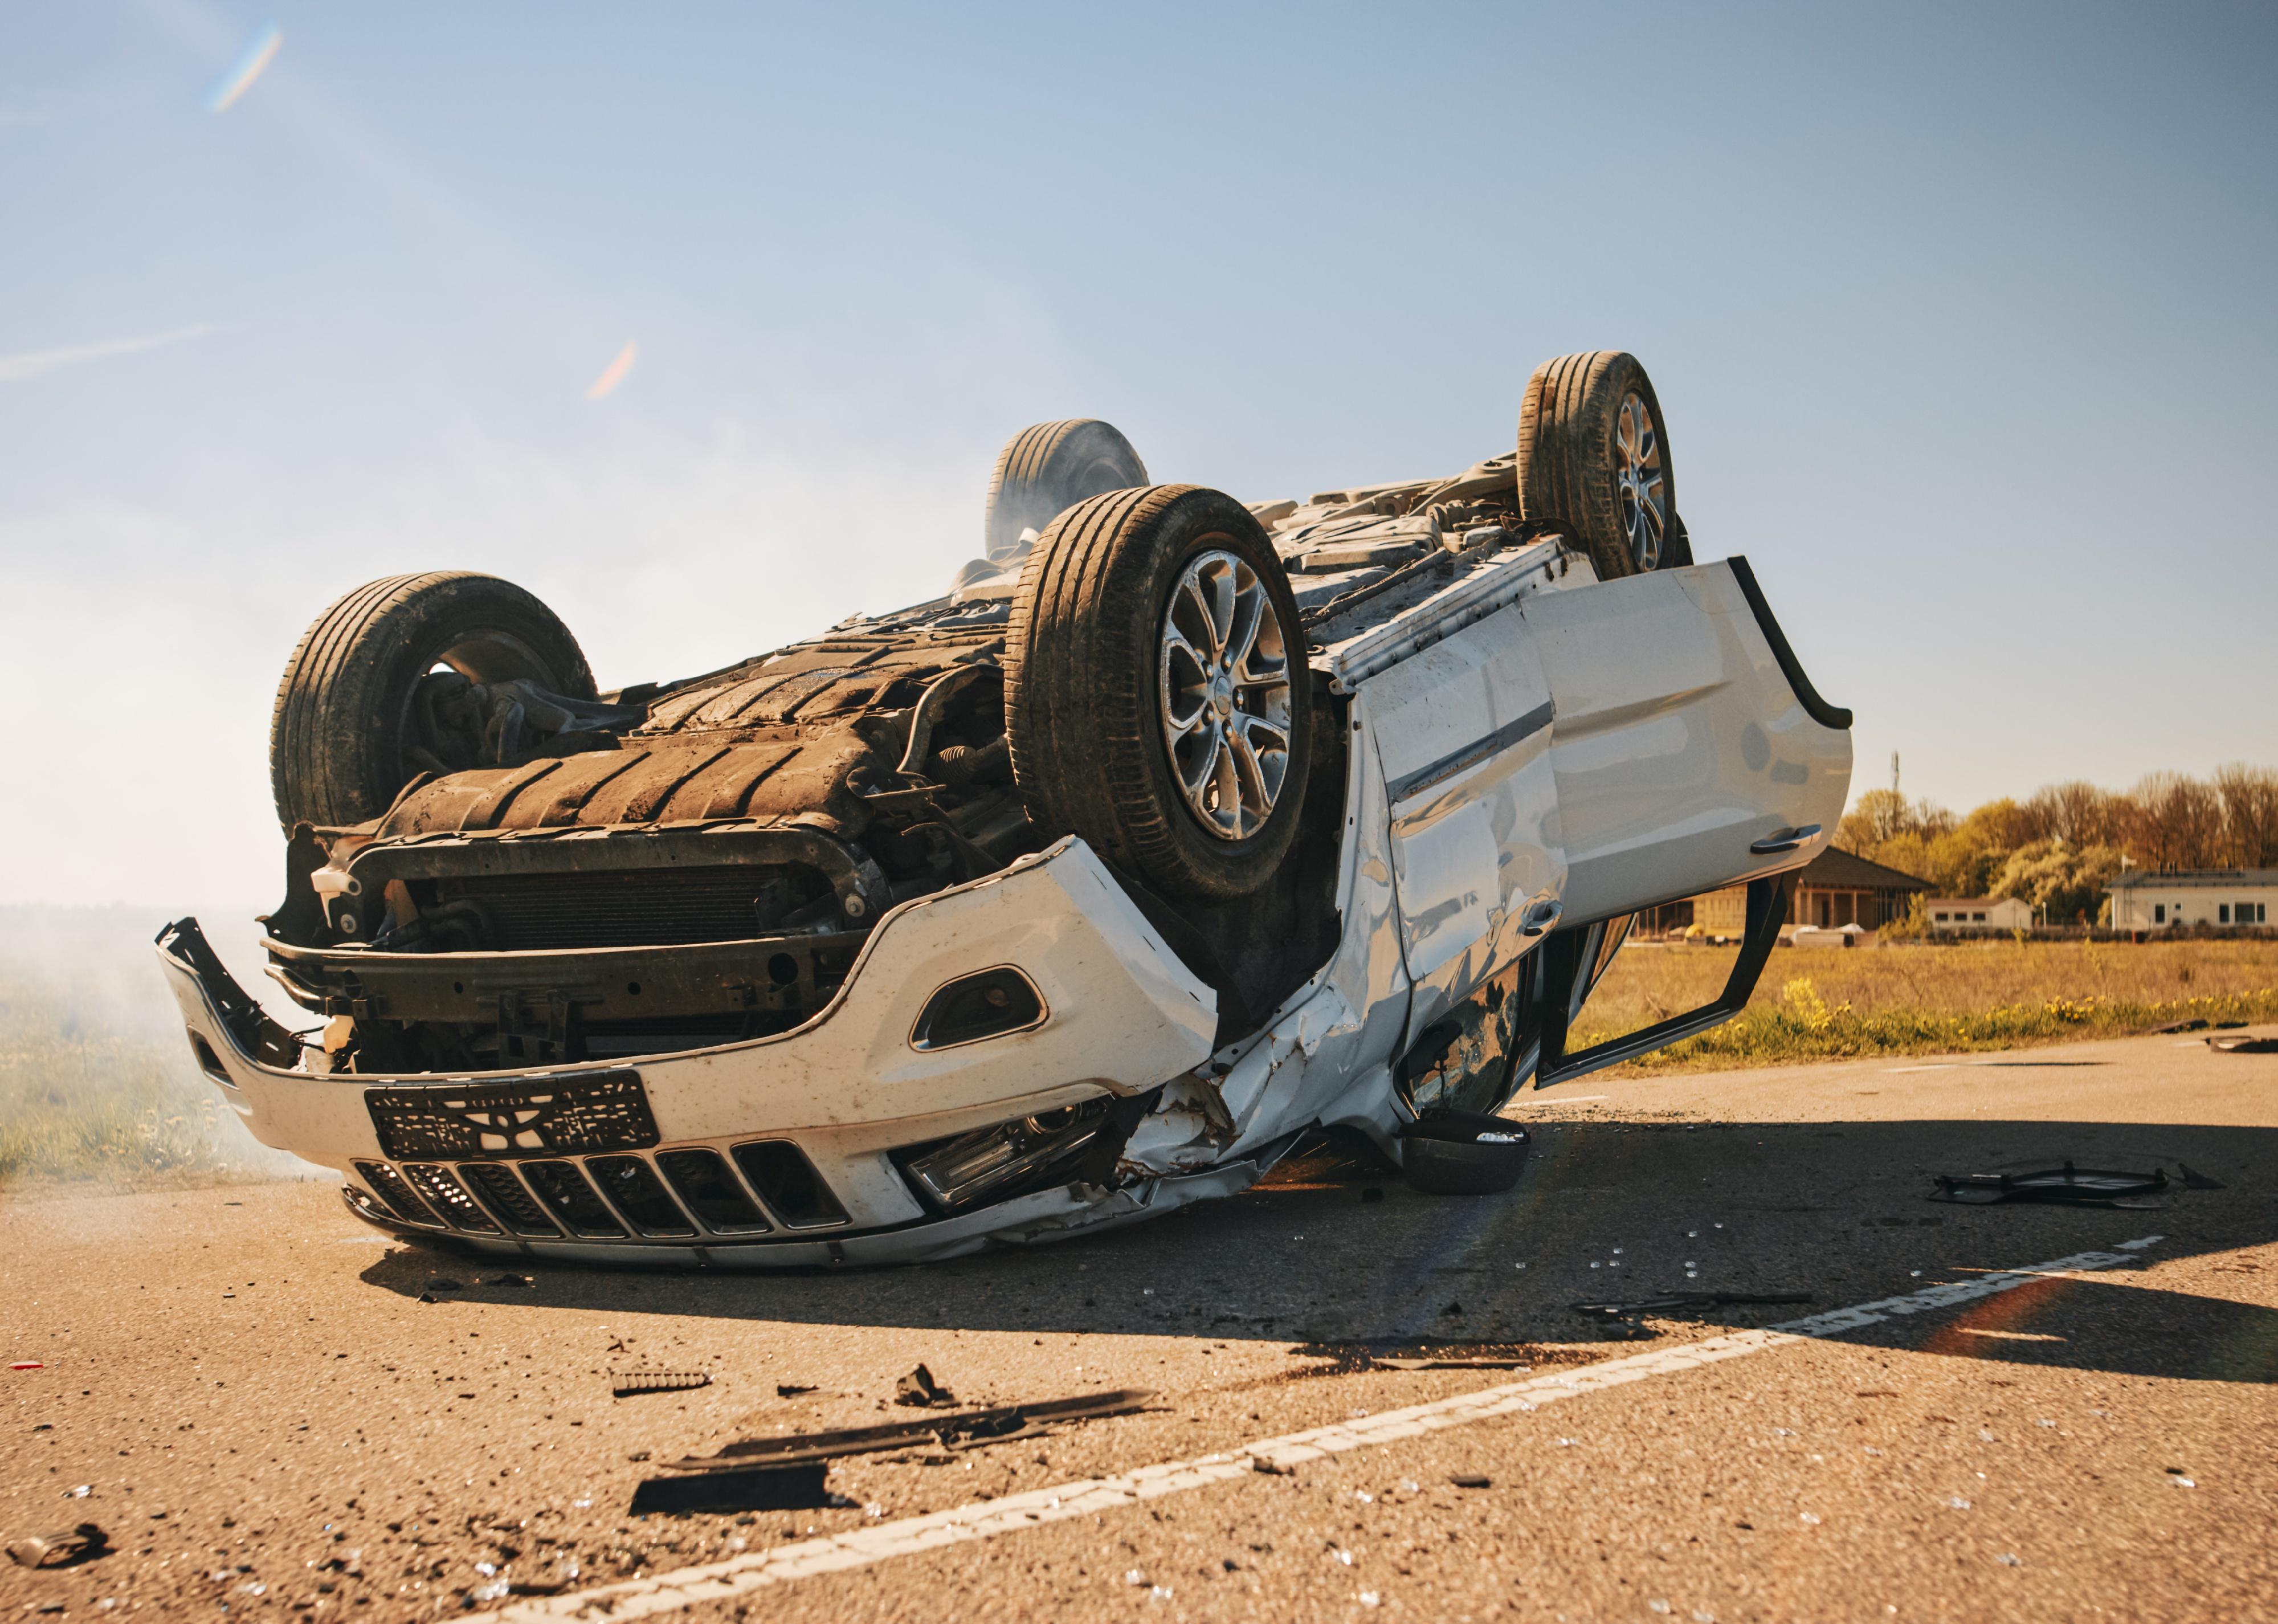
(2150,900)
(1835,888)
(1991,914)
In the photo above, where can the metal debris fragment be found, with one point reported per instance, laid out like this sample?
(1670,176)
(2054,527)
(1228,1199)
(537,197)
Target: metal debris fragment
(626,1383)
(2067,1186)
(918,1389)
(62,1549)
(2243,1045)
(965,1430)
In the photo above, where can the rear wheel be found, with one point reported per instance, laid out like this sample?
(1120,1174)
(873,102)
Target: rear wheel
(1157,701)
(1593,461)
(357,712)
(1048,468)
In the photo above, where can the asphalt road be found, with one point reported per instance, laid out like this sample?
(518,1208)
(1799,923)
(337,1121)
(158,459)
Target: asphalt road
(250,1391)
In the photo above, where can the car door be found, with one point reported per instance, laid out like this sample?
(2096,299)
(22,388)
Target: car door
(1688,750)
(1462,731)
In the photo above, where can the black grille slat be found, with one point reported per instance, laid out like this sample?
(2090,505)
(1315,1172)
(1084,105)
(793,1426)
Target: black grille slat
(787,1183)
(564,1189)
(388,1185)
(447,1196)
(633,1186)
(644,908)
(502,1192)
(703,1181)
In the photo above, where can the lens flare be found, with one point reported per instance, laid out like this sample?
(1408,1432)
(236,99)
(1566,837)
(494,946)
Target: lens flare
(613,375)
(259,52)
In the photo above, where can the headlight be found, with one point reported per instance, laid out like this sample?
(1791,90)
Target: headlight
(1012,1158)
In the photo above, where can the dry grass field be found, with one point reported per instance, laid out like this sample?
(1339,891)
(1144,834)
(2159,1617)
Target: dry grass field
(1826,1003)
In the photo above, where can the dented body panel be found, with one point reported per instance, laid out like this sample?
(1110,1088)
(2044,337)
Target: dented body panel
(1528,757)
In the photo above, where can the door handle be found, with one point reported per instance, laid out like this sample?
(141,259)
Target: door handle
(1539,916)
(1786,841)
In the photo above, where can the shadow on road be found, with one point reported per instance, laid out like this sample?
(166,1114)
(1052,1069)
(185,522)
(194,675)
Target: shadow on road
(1607,1210)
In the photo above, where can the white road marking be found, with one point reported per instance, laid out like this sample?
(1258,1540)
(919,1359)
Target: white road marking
(638,1598)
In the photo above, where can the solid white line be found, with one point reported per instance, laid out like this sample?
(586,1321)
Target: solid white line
(638,1598)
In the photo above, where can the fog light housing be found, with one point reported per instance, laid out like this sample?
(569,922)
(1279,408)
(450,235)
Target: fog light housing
(1011,1158)
(988,1004)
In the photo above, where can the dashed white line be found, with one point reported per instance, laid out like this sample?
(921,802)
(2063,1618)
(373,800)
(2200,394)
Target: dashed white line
(739,1575)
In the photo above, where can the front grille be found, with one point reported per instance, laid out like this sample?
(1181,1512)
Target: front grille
(447,1196)
(388,1185)
(787,1183)
(633,1190)
(618,1198)
(502,1192)
(572,1198)
(645,908)
(711,1191)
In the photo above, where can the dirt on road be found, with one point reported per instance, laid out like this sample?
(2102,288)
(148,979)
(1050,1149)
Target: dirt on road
(271,1410)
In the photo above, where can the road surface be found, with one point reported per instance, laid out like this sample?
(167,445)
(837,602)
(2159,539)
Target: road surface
(254,1397)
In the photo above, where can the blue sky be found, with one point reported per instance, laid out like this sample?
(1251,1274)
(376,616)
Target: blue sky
(1959,316)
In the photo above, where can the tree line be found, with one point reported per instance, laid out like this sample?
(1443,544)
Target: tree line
(2059,848)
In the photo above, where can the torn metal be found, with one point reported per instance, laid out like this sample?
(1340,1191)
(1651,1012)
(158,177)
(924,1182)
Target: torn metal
(2066,1186)
(772,967)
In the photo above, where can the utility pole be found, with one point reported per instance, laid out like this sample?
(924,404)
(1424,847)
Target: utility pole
(1894,772)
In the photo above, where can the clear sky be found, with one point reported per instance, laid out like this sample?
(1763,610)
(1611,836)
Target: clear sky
(1961,316)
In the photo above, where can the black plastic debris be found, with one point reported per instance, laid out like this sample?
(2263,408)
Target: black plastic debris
(2064,1186)
(1447,1361)
(2243,1045)
(1472,1479)
(1685,1301)
(511,1280)
(790,1488)
(1463,1153)
(66,1548)
(919,1389)
(2197,1181)
(790,1390)
(965,1429)
(628,1384)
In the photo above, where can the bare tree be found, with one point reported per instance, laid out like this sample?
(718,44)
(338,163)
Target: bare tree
(2078,813)
(2178,823)
(2250,814)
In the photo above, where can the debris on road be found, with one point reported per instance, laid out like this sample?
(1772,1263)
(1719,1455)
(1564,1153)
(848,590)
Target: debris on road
(970,1428)
(1627,1314)
(1463,1153)
(2198,1181)
(28,1363)
(62,1549)
(2067,1186)
(775,1487)
(627,1384)
(1472,1479)
(2243,1045)
(790,1390)
(918,1389)
(511,1280)
(1446,1362)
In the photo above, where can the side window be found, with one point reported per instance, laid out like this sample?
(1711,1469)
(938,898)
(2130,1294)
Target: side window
(1977,918)
(2159,913)
(2223,915)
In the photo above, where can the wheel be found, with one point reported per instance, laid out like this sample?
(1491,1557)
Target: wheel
(1593,459)
(1048,468)
(1157,698)
(365,702)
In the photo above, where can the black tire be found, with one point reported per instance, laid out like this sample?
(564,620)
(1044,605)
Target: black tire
(1572,455)
(1048,468)
(338,737)
(1086,699)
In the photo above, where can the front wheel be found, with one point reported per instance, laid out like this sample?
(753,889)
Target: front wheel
(1157,696)
(1594,461)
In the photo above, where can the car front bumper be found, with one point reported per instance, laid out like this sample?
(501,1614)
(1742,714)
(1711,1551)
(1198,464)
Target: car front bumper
(1122,1016)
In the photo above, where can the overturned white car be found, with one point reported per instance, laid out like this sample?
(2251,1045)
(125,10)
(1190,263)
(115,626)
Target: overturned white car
(1177,829)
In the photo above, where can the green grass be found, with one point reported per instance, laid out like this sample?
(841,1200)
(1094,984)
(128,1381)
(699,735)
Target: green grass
(1837,1004)
(96,1081)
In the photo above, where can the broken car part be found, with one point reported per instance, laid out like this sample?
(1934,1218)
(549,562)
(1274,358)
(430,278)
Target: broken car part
(2243,1045)
(1463,1153)
(1174,829)
(1685,1302)
(2066,1185)
(626,1383)
(919,1388)
(64,1549)
(997,1425)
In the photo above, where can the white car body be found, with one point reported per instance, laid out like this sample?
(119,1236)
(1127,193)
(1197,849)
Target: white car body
(1530,748)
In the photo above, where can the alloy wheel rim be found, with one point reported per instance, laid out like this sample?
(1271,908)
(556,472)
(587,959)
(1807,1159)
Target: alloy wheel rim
(1643,481)
(1224,684)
